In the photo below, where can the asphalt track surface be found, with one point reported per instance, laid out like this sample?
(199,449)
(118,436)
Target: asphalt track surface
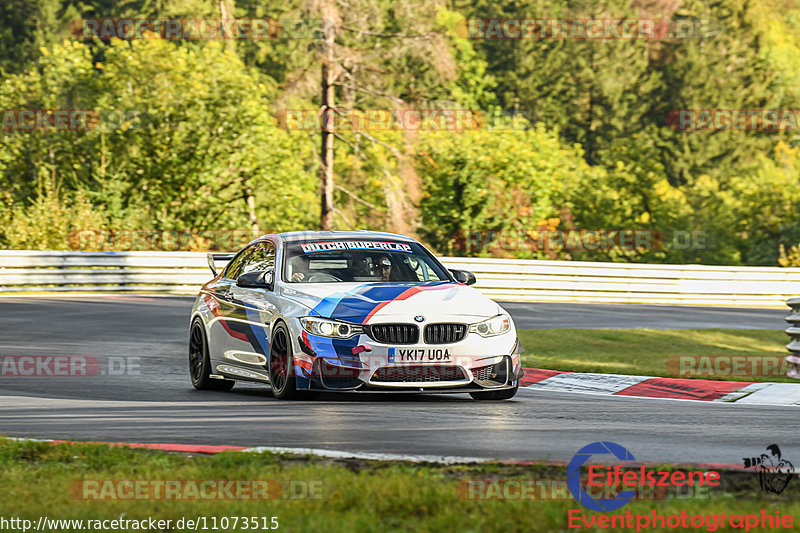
(142,393)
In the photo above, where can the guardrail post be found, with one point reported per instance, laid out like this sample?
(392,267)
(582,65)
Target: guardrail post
(794,332)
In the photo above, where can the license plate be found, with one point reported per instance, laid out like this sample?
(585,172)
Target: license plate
(417,355)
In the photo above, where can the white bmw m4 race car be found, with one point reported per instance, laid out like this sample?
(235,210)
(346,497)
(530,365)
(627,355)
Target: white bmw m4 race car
(349,311)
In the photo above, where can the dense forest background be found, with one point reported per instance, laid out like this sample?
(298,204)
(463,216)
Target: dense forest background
(192,133)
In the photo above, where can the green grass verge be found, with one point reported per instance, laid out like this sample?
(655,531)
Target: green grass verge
(356,495)
(649,351)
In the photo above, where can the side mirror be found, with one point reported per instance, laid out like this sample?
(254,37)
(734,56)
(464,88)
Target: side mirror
(257,279)
(464,276)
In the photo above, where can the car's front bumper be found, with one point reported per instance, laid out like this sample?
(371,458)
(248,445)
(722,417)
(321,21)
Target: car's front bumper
(366,365)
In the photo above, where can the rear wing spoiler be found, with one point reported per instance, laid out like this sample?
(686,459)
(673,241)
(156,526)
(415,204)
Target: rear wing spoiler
(213,258)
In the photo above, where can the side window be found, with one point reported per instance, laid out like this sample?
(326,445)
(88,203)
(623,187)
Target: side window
(260,257)
(235,267)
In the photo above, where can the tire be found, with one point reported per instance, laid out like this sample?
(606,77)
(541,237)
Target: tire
(505,394)
(200,363)
(281,365)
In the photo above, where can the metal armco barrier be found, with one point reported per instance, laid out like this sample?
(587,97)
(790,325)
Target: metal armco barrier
(501,279)
(46,271)
(581,281)
(794,333)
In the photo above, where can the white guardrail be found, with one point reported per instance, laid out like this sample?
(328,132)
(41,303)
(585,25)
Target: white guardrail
(501,279)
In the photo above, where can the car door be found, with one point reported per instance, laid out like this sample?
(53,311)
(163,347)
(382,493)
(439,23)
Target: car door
(260,259)
(251,309)
(226,332)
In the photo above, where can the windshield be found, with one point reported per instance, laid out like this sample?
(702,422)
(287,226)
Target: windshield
(321,261)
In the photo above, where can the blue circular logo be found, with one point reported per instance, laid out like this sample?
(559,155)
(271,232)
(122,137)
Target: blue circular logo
(419,318)
(574,476)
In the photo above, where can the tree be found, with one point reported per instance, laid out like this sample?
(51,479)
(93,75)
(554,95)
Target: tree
(510,181)
(182,133)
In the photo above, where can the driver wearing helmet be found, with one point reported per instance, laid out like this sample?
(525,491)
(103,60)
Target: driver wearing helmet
(384,268)
(300,268)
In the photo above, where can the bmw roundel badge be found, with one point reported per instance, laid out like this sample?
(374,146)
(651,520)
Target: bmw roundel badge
(419,318)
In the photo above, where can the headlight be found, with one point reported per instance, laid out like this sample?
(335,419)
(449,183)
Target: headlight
(497,325)
(330,328)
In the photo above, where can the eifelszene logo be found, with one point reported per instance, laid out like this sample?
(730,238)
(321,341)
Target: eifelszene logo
(633,477)
(574,476)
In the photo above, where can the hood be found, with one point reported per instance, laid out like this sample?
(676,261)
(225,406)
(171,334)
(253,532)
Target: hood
(377,302)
